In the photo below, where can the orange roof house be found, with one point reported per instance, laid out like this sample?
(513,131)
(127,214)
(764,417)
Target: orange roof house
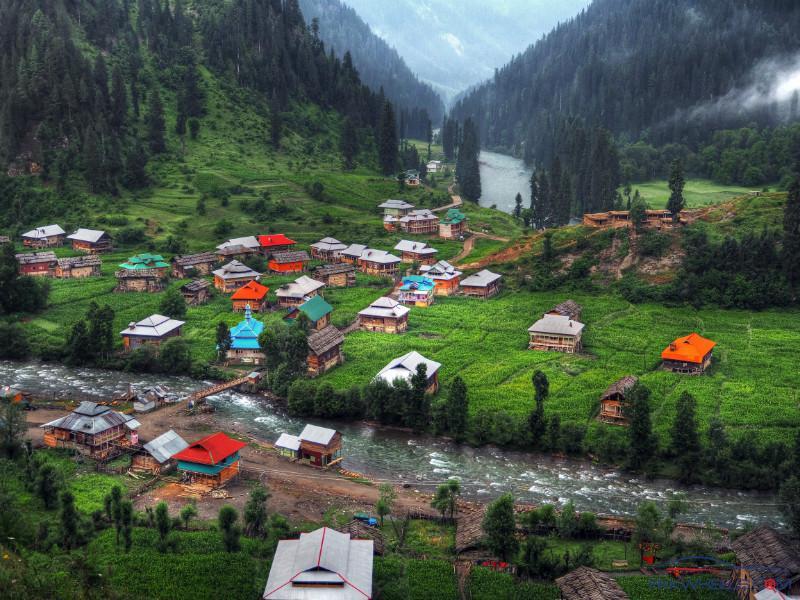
(253,294)
(690,354)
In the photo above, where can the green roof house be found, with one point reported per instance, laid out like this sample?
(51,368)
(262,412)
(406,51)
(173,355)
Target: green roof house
(453,225)
(145,261)
(316,309)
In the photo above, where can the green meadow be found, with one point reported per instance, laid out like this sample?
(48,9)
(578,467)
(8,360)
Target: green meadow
(697,193)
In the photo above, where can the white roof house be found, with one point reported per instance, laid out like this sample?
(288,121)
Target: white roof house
(288,441)
(316,435)
(556,325)
(354,251)
(442,270)
(87,235)
(329,244)
(481,279)
(166,446)
(379,256)
(154,326)
(385,307)
(415,247)
(322,565)
(44,232)
(299,288)
(92,418)
(405,367)
(249,241)
(396,204)
(236,270)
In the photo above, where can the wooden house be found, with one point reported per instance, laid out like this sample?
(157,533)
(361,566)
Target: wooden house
(93,430)
(298,291)
(238,248)
(352,253)
(156,457)
(483,284)
(316,310)
(568,308)
(78,266)
(613,401)
(153,330)
(339,275)
(142,273)
(322,565)
(288,446)
(418,222)
(654,219)
(689,355)
(245,347)
(766,560)
(193,265)
(434,166)
(556,332)
(37,264)
(277,242)
(417,290)
(416,252)
(454,225)
(93,241)
(48,236)
(324,350)
(585,583)
(405,367)
(289,262)
(385,315)
(196,292)
(4,239)
(320,446)
(411,178)
(253,295)
(210,462)
(445,277)
(328,249)
(234,275)
(396,208)
(378,262)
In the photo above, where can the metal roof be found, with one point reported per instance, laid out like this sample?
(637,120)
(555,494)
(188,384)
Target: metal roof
(422,214)
(75,262)
(557,324)
(244,335)
(417,283)
(442,270)
(317,435)
(405,367)
(415,247)
(385,307)
(354,250)
(316,308)
(44,232)
(92,418)
(166,446)
(299,288)
(249,241)
(87,235)
(481,279)
(401,204)
(236,270)
(329,244)
(379,256)
(155,326)
(288,441)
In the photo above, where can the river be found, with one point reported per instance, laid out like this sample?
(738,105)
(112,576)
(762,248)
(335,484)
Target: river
(502,177)
(423,461)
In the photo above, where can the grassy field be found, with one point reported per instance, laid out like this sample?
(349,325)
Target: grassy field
(697,193)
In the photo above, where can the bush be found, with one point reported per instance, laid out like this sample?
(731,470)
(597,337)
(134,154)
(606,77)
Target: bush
(130,236)
(653,244)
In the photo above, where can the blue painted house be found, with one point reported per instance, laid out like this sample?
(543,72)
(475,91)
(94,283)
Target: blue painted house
(417,290)
(244,340)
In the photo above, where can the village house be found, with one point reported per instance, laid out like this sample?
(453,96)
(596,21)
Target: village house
(585,583)
(150,398)
(768,565)
(444,276)
(654,219)
(483,284)
(48,236)
(328,249)
(405,367)
(352,253)
(434,166)
(419,252)
(156,457)
(234,275)
(11,394)
(339,275)
(245,348)
(396,208)
(556,332)
(316,310)
(568,308)
(315,446)
(210,462)
(269,244)
(378,262)
(196,292)
(411,178)
(418,222)
(142,273)
(241,246)
(322,565)
(298,291)
(454,225)
(385,315)
(90,240)
(153,330)
(289,262)
(235,252)
(78,266)
(288,446)
(324,350)
(93,430)
(252,295)
(417,290)
(193,265)
(613,401)
(37,264)
(689,355)
(4,239)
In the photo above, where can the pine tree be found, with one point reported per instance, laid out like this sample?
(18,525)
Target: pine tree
(685,439)
(641,441)
(155,124)
(791,234)
(227,519)
(468,170)
(135,162)
(119,101)
(349,144)
(387,140)
(499,527)
(68,521)
(677,182)
(518,206)
(457,408)
(536,420)
(275,126)
(223,340)
(255,512)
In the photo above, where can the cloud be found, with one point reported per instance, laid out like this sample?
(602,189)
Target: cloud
(454,43)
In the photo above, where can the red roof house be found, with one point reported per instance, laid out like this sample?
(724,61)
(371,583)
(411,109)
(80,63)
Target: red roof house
(275,243)
(253,294)
(211,461)
(690,354)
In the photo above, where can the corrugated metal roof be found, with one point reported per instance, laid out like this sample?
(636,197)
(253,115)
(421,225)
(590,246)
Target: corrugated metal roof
(405,367)
(329,244)
(154,326)
(91,418)
(299,288)
(87,235)
(481,279)
(249,241)
(166,446)
(236,270)
(385,307)
(44,232)
(288,441)
(557,324)
(317,435)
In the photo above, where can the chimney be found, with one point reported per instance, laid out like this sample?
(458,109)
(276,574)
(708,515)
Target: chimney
(672,346)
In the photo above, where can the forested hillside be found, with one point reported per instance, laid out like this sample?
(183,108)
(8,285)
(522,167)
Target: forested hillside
(659,70)
(378,64)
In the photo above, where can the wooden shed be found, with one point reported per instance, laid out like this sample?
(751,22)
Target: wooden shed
(405,367)
(612,402)
(324,350)
(378,262)
(338,275)
(92,429)
(234,275)
(327,248)
(142,273)
(156,457)
(445,277)
(196,292)
(193,265)
(298,291)
(153,331)
(568,308)
(316,310)
(320,446)
(453,225)
(416,252)
(275,242)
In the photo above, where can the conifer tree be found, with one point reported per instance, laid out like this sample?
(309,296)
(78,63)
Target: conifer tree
(68,521)
(499,526)
(536,420)
(518,206)
(791,234)
(135,176)
(467,166)
(677,182)
(387,140)
(155,124)
(641,441)
(349,144)
(685,438)
(457,408)
(119,101)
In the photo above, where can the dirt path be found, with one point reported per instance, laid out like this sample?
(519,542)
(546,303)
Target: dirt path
(469,245)
(456,200)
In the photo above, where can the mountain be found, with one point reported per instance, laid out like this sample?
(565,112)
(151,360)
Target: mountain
(662,70)
(454,44)
(378,64)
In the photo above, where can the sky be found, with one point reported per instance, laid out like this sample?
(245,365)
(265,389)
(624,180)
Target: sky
(455,44)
